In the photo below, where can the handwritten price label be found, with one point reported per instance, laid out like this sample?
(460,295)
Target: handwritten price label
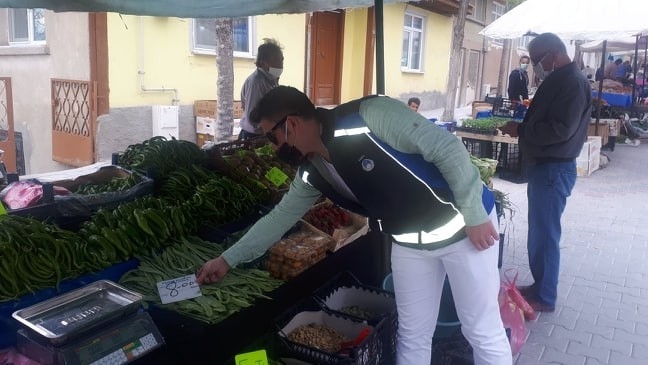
(178,289)
(276,176)
(252,358)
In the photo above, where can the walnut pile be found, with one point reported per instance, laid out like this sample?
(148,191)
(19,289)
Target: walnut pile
(318,336)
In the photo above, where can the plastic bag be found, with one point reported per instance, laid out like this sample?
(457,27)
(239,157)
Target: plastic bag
(514,293)
(513,318)
(22,194)
(26,193)
(12,357)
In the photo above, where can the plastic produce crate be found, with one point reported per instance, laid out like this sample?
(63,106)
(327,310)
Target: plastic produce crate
(480,148)
(511,164)
(368,352)
(508,109)
(370,304)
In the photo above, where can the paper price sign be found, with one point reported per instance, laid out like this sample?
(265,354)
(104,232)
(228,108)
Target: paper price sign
(178,289)
(276,176)
(252,358)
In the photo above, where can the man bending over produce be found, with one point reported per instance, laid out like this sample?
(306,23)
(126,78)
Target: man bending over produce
(415,181)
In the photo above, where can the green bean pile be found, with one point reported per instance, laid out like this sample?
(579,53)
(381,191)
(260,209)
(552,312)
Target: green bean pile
(115,184)
(35,255)
(160,154)
(239,289)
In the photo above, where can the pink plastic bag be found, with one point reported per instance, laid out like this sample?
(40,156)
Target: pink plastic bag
(512,316)
(27,193)
(12,357)
(22,194)
(514,293)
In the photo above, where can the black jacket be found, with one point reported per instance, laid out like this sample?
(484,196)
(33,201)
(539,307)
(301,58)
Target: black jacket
(518,85)
(555,126)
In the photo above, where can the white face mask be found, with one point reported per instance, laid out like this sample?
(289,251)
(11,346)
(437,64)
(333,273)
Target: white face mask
(524,66)
(539,71)
(276,72)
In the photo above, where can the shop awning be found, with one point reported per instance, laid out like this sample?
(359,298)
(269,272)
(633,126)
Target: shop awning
(573,19)
(616,45)
(192,8)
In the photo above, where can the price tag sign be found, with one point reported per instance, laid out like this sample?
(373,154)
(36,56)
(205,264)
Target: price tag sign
(276,176)
(178,289)
(252,358)
(3,211)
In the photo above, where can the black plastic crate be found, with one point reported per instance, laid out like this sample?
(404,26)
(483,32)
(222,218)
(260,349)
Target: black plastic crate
(368,352)
(480,148)
(508,109)
(511,164)
(345,291)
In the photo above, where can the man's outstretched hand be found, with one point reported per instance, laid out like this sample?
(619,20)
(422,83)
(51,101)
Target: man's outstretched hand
(212,271)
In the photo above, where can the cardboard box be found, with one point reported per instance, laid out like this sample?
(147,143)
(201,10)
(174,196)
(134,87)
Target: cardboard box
(614,125)
(589,159)
(201,139)
(205,108)
(205,125)
(478,106)
(603,131)
(237,110)
(359,227)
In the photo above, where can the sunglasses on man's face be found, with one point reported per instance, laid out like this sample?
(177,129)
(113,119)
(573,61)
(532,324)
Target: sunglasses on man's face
(270,135)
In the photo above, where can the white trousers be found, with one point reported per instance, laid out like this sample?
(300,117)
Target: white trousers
(474,278)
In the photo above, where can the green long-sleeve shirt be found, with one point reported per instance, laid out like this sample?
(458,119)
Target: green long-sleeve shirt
(404,130)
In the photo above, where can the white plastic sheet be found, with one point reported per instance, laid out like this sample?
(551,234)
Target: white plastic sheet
(573,19)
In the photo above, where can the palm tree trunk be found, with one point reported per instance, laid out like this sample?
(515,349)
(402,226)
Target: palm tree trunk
(503,69)
(455,61)
(225,81)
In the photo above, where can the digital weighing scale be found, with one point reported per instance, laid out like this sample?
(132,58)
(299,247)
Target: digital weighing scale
(97,324)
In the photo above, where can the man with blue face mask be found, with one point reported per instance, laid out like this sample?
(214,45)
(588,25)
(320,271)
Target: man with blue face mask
(551,136)
(269,64)
(519,81)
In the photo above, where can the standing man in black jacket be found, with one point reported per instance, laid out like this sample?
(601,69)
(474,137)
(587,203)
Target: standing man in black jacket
(551,137)
(519,81)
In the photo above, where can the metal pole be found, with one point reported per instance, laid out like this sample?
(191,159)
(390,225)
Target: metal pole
(600,89)
(380,48)
(634,71)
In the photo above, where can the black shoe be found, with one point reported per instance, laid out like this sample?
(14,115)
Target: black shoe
(538,306)
(527,291)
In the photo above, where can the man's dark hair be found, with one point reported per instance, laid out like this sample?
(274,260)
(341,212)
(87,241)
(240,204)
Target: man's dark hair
(548,42)
(525,57)
(618,61)
(282,101)
(414,100)
(269,48)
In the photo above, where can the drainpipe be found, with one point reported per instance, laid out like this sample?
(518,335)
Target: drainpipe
(141,71)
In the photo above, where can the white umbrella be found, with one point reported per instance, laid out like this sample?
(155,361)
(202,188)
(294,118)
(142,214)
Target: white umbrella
(573,19)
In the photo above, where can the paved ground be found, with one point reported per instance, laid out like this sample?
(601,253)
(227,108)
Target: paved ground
(602,311)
